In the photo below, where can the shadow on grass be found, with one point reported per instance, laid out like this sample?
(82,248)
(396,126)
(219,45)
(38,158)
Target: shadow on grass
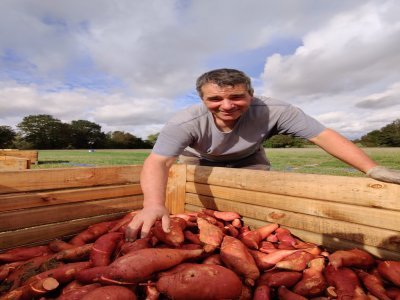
(53,162)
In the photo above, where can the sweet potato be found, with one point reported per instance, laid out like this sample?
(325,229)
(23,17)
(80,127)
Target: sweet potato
(222,215)
(390,270)
(138,244)
(262,292)
(266,261)
(285,236)
(175,236)
(277,278)
(295,262)
(351,258)
(75,253)
(32,290)
(8,268)
(214,259)
(79,292)
(236,256)
(63,274)
(231,230)
(137,266)
(58,245)
(199,281)
(92,233)
(253,238)
(24,253)
(267,247)
(285,294)
(344,280)
(373,284)
(313,282)
(111,292)
(192,237)
(210,235)
(125,220)
(103,248)
(90,275)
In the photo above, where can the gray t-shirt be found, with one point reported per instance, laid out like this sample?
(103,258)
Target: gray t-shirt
(193,132)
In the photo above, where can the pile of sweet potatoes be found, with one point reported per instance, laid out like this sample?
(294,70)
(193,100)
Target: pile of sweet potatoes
(206,255)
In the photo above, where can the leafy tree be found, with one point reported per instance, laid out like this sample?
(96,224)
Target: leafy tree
(284,141)
(152,138)
(387,136)
(86,134)
(45,132)
(7,135)
(126,140)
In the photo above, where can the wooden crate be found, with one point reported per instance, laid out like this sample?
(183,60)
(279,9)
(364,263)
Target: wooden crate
(32,155)
(11,163)
(334,211)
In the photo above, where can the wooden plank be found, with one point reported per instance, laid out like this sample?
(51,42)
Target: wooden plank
(11,163)
(37,199)
(47,179)
(377,237)
(350,190)
(382,218)
(18,219)
(32,155)
(175,193)
(45,233)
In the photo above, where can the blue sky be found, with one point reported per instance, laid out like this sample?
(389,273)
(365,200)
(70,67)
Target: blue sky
(129,65)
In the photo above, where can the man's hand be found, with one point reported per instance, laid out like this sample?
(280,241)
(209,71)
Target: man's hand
(145,219)
(384,174)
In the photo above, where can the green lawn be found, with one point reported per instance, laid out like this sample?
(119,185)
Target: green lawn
(299,160)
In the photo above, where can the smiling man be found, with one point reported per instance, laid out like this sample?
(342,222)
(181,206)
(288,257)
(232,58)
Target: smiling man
(227,129)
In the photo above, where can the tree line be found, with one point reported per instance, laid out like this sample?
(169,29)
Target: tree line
(47,132)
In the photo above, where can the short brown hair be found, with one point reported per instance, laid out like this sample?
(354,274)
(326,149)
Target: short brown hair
(224,77)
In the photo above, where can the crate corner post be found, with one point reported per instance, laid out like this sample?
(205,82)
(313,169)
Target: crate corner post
(176,189)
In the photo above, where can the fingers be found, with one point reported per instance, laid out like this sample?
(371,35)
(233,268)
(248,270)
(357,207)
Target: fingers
(132,229)
(165,222)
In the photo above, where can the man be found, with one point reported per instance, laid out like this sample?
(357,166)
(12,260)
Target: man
(227,130)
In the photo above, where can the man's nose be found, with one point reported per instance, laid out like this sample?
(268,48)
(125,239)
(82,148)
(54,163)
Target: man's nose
(227,104)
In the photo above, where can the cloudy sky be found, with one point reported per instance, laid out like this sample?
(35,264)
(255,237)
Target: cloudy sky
(130,64)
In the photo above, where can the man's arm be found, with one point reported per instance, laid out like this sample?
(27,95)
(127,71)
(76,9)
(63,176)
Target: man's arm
(153,180)
(343,149)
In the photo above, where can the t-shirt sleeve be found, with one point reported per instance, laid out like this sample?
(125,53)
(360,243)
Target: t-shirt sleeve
(294,121)
(172,140)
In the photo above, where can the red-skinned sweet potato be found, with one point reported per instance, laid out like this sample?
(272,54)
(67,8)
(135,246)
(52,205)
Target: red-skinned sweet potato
(344,280)
(222,215)
(63,274)
(276,278)
(210,235)
(103,248)
(295,262)
(373,284)
(110,292)
(79,292)
(214,259)
(237,257)
(313,282)
(199,281)
(285,236)
(75,253)
(253,238)
(90,275)
(192,237)
(390,270)
(92,233)
(58,245)
(262,292)
(125,220)
(142,243)
(351,258)
(137,266)
(24,253)
(286,294)
(266,261)
(175,236)
(32,290)
(8,268)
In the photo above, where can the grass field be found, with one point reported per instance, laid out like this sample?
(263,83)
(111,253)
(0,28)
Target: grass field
(299,160)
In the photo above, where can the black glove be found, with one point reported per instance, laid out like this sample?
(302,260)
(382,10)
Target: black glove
(384,174)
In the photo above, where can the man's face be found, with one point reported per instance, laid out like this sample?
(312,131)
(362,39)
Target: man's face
(226,103)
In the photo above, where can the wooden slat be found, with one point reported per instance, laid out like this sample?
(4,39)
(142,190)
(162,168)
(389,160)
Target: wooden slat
(37,199)
(47,179)
(45,233)
(32,155)
(175,193)
(51,214)
(350,190)
(387,239)
(11,163)
(382,218)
